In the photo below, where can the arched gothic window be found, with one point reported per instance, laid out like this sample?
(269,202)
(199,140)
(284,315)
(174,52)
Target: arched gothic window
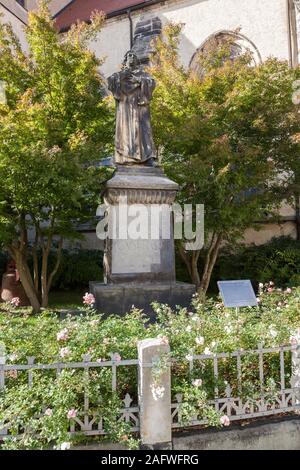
(238,45)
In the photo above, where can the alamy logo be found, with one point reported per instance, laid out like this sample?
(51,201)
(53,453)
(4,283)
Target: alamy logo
(152,222)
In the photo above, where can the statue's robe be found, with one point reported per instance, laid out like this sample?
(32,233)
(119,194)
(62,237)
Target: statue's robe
(132,90)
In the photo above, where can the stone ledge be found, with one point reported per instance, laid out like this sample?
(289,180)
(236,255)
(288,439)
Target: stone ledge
(119,298)
(265,434)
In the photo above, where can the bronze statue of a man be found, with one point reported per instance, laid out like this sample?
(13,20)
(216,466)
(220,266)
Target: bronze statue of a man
(132,89)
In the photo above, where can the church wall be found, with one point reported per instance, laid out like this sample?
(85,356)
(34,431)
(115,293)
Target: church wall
(17,25)
(261,21)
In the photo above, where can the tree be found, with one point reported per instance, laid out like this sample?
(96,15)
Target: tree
(227,137)
(57,122)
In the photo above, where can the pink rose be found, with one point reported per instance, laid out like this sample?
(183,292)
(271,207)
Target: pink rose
(64,352)
(13,374)
(224,420)
(164,339)
(15,302)
(72,413)
(270,289)
(117,357)
(62,335)
(89,299)
(288,290)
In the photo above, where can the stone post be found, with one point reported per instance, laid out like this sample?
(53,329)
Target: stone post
(295,379)
(2,364)
(155,393)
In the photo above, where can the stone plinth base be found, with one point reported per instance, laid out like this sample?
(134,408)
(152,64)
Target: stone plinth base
(119,298)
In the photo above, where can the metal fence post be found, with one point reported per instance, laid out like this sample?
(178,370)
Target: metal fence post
(3,431)
(155,393)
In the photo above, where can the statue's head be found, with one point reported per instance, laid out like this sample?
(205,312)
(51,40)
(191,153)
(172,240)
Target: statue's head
(130,60)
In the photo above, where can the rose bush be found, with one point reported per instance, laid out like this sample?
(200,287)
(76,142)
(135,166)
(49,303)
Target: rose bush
(50,404)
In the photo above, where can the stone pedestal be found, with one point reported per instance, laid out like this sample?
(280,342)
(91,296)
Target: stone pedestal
(139,258)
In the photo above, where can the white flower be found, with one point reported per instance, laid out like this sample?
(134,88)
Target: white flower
(207,351)
(273,332)
(188,329)
(195,318)
(189,357)
(228,329)
(48,412)
(213,344)
(293,340)
(157,391)
(197,382)
(261,285)
(200,340)
(13,357)
(65,446)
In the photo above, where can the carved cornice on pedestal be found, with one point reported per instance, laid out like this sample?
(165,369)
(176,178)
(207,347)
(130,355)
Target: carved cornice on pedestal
(140,185)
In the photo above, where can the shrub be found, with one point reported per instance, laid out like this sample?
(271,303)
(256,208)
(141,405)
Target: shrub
(77,268)
(209,328)
(279,260)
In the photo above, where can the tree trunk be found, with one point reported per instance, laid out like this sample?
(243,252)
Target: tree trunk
(194,268)
(26,280)
(44,273)
(47,281)
(297,211)
(191,261)
(35,260)
(210,262)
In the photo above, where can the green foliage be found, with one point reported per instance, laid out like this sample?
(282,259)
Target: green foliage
(208,329)
(77,268)
(228,137)
(56,125)
(3,262)
(278,260)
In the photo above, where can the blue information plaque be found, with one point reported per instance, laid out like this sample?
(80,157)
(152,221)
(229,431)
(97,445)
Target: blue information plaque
(237,293)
